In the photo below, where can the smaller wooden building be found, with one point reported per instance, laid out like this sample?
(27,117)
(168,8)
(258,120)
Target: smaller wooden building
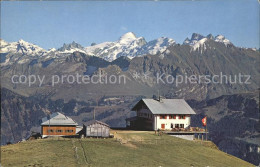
(58,125)
(97,129)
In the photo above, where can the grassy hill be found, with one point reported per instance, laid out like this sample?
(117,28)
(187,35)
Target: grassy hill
(128,148)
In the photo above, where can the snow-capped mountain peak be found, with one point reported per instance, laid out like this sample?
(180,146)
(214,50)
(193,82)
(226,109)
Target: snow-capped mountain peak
(186,41)
(194,39)
(210,36)
(131,39)
(70,48)
(198,40)
(20,52)
(3,43)
(21,41)
(129,45)
(196,36)
(222,39)
(158,45)
(128,36)
(52,49)
(21,47)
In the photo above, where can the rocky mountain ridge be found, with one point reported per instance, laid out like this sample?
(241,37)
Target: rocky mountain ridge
(127,45)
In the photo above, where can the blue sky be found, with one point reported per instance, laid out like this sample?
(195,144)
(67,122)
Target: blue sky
(50,24)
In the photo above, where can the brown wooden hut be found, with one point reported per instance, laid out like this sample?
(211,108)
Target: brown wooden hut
(58,125)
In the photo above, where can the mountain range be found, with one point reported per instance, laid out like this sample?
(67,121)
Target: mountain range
(210,55)
(127,45)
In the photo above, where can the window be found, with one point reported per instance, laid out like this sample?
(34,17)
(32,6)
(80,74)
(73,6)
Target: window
(171,125)
(162,126)
(69,131)
(163,116)
(50,131)
(181,125)
(172,116)
(176,125)
(181,116)
(59,131)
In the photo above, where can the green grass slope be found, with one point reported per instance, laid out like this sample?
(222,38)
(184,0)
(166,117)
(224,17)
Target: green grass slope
(128,148)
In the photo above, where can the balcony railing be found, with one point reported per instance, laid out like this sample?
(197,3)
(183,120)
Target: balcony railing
(189,129)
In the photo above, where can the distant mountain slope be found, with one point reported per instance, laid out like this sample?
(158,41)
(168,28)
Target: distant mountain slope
(126,149)
(232,119)
(18,115)
(233,123)
(22,115)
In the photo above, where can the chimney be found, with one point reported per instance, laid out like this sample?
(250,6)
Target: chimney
(159,97)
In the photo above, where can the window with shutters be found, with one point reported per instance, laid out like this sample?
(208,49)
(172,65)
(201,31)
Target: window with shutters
(163,116)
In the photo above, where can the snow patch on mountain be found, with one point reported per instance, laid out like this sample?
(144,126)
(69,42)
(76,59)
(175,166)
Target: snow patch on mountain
(198,41)
(199,44)
(222,39)
(22,47)
(3,43)
(20,52)
(70,48)
(156,46)
(51,50)
(130,46)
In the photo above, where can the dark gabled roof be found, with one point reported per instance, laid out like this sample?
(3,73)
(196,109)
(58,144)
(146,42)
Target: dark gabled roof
(132,118)
(166,106)
(136,118)
(95,121)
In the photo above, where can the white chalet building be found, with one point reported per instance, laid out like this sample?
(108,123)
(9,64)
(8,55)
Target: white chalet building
(164,114)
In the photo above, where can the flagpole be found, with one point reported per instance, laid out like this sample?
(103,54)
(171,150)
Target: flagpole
(49,125)
(206,128)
